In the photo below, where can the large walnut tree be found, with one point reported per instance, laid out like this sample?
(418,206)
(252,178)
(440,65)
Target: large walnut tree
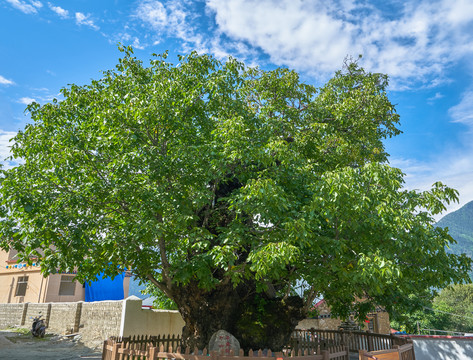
(241,194)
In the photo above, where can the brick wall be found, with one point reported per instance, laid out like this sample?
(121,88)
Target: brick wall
(95,321)
(322,324)
(12,315)
(384,326)
(35,309)
(100,320)
(65,317)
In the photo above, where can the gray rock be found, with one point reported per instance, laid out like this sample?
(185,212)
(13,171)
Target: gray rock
(222,341)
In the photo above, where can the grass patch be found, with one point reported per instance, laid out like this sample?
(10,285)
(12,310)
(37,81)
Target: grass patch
(19,334)
(19,330)
(28,338)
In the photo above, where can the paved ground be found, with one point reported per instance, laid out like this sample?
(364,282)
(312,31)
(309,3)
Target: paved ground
(20,346)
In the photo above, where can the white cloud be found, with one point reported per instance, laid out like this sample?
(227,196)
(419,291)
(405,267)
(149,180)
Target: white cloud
(153,13)
(5,81)
(82,19)
(136,44)
(31,8)
(453,166)
(126,38)
(174,19)
(416,43)
(36,4)
(5,143)
(463,112)
(59,10)
(437,96)
(26,100)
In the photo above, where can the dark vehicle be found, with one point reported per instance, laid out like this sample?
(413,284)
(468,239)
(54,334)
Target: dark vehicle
(38,329)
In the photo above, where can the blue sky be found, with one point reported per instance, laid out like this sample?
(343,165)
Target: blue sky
(426,47)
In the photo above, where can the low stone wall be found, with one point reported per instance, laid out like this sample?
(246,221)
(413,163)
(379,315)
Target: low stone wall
(12,315)
(34,309)
(65,317)
(94,321)
(101,319)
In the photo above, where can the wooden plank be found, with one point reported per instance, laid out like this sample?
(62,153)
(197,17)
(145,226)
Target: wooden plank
(390,356)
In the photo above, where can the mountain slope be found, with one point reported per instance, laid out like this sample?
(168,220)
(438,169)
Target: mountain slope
(460,225)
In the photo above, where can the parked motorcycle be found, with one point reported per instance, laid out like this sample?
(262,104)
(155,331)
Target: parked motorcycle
(38,329)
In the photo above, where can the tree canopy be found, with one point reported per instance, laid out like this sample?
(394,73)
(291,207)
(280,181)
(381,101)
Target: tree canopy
(450,310)
(227,187)
(454,307)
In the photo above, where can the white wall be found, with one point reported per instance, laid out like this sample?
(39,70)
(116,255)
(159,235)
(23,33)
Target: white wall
(136,320)
(443,348)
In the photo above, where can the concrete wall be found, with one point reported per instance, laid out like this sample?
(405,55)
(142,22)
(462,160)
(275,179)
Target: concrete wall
(136,320)
(443,347)
(52,292)
(8,283)
(39,289)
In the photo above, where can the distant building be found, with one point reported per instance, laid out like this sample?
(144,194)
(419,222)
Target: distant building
(21,283)
(377,321)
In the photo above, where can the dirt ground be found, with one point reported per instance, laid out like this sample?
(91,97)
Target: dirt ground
(19,345)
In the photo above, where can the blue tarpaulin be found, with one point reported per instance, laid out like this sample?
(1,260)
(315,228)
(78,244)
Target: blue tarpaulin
(105,289)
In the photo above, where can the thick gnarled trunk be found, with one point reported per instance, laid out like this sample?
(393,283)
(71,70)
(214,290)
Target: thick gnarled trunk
(206,312)
(256,320)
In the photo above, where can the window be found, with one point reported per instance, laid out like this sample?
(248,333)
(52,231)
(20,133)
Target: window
(68,285)
(21,286)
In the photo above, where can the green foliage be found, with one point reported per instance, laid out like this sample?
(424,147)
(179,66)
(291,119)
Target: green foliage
(203,174)
(420,318)
(451,310)
(161,301)
(455,305)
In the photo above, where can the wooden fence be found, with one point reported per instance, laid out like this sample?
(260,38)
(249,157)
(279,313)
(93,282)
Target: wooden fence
(144,348)
(168,342)
(404,352)
(355,340)
(304,344)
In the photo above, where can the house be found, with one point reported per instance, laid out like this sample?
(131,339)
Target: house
(376,321)
(21,283)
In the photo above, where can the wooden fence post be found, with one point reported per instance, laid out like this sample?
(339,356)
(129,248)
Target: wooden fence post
(411,342)
(152,353)
(114,355)
(325,355)
(104,350)
(370,342)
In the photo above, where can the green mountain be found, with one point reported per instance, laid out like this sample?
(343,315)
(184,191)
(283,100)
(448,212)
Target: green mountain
(460,225)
